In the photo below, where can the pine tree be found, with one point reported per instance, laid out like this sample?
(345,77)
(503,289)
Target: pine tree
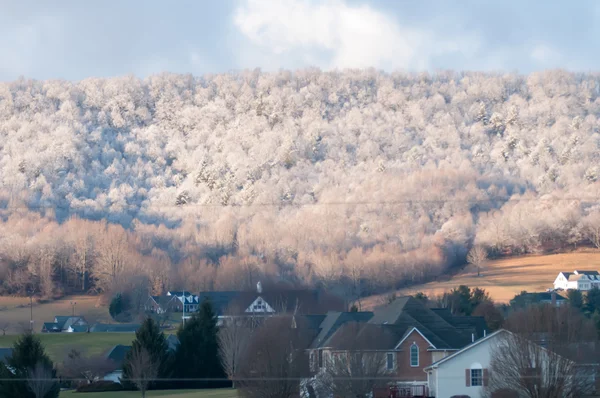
(150,338)
(28,359)
(116,306)
(197,355)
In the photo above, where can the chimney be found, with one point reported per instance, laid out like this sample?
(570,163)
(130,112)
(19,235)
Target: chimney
(553,296)
(472,337)
(259,287)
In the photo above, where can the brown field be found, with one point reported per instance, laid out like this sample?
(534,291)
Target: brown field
(16,311)
(505,278)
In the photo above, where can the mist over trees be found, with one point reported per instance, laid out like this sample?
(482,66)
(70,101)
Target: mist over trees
(357,176)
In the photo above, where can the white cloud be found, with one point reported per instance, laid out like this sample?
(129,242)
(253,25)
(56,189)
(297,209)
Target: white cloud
(337,35)
(545,55)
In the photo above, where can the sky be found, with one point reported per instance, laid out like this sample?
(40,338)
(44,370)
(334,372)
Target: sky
(74,39)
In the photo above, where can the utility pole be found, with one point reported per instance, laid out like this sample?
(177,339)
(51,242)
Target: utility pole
(183,317)
(31,293)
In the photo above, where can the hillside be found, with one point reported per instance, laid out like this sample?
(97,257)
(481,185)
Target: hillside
(505,278)
(356,179)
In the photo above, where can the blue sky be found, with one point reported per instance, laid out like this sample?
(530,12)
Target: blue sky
(79,39)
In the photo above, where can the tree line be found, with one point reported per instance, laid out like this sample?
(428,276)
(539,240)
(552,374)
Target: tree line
(358,180)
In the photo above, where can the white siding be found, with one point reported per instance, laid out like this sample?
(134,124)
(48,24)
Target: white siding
(437,355)
(449,378)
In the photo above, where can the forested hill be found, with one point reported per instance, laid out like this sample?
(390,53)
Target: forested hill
(305,176)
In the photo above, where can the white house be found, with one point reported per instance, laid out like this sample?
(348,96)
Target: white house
(578,280)
(464,372)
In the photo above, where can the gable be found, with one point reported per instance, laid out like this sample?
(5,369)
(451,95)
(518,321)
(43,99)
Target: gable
(479,349)
(414,336)
(260,305)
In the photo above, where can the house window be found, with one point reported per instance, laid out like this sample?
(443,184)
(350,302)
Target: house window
(477,377)
(390,361)
(414,355)
(259,306)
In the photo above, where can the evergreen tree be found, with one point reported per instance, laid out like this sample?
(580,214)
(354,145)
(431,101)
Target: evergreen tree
(197,355)
(575,298)
(592,300)
(116,306)
(150,338)
(28,359)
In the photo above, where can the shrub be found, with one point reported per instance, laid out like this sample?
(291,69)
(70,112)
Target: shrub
(100,386)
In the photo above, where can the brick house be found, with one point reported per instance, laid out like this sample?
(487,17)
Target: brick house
(410,335)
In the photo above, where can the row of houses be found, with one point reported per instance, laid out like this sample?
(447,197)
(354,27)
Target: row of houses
(412,336)
(78,324)
(228,304)
(428,351)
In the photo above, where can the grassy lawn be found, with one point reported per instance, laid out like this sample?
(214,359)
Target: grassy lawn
(221,393)
(507,277)
(58,344)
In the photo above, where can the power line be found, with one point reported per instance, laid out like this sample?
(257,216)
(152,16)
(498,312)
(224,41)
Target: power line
(502,200)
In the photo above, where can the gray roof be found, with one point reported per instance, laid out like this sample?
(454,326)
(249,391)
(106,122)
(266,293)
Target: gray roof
(79,328)
(333,321)
(543,296)
(115,327)
(172,341)
(5,353)
(219,300)
(51,327)
(441,329)
(65,321)
(117,354)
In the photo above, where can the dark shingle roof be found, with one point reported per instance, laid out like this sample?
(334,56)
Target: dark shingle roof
(117,354)
(115,328)
(367,336)
(439,327)
(303,301)
(543,296)
(219,300)
(79,328)
(332,322)
(172,341)
(314,321)
(5,353)
(51,326)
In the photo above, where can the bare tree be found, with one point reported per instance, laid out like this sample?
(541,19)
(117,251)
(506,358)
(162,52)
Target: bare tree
(354,368)
(477,257)
(274,360)
(591,228)
(234,337)
(541,354)
(40,380)
(4,326)
(77,365)
(142,368)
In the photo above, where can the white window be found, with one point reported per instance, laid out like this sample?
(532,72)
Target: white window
(414,355)
(476,377)
(390,361)
(259,305)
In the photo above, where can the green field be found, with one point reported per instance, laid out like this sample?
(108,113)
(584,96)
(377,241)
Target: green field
(58,344)
(221,393)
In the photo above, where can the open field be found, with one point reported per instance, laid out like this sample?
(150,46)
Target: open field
(16,311)
(220,393)
(58,344)
(505,278)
